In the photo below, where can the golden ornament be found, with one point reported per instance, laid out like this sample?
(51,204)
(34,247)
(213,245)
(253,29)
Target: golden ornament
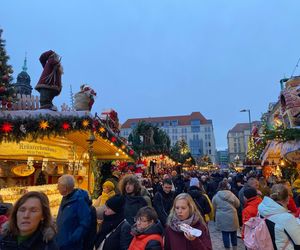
(85,123)
(44,125)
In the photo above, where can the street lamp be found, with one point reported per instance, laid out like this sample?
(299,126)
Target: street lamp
(249,114)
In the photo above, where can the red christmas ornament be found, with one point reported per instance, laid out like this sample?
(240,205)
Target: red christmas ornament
(9,105)
(131,152)
(2,89)
(113,139)
(66,126)
(5,78)
(7,127)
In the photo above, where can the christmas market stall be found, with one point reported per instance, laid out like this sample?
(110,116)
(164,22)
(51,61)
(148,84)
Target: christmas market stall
(37,147)
(280,133)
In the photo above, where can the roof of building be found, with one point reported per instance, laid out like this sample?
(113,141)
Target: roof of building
(182,119)
(241,127)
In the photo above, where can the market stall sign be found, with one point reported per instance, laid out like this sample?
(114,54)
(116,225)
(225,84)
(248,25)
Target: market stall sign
(32,149)
(23,170)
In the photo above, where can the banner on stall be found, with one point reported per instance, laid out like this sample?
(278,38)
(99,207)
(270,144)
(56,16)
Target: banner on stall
(8,150)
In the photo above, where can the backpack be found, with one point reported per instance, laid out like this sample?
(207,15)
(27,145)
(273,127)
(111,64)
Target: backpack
(257,235)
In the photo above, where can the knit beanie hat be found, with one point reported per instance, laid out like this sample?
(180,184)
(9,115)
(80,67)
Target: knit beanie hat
(116,203)
(194,182)
(250,193)
(109,184)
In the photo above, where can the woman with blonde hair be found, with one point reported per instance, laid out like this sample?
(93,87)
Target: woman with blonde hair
(283,226)
(185,211)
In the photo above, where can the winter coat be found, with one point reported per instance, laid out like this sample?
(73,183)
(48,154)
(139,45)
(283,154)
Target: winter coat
(146,195)
(51,75)
(156,187)
(120,236)
(162,204)
(73,220)
(145,241)
(292,207)
(179,184)
(225,204)
(250,210)
(200,200)
(280,223)
(103,198)
(177,241)
(132,206)
(40,240)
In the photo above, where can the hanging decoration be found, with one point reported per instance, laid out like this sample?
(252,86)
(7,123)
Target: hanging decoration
(66,126)
(44,125)
(7,127)
(20,128)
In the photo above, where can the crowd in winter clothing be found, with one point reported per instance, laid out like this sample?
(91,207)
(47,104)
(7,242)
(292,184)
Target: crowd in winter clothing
(131,213)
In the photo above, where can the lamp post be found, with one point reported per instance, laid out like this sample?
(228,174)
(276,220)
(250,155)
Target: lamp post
(249,115)
(90,142)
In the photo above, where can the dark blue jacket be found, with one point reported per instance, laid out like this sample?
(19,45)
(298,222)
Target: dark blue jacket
(73,220)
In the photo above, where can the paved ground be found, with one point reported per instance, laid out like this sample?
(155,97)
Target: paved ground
(216,238)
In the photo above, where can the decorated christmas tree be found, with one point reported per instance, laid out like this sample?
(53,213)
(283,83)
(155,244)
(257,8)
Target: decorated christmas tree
(7,91)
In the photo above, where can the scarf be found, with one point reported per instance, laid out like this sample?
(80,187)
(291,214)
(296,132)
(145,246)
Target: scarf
(175,222)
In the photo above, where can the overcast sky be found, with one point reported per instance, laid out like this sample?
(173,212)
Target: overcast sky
(162,57)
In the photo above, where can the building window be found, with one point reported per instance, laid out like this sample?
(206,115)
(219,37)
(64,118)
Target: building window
(195,129)
(174,123)
(175,130)
(195,122)
(133,124)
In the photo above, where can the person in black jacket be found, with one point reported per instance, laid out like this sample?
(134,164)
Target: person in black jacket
(130,188)
(30,226)
(115,230)
(163,201)
(197,194)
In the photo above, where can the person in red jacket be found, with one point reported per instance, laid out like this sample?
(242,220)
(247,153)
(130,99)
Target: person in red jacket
(291,205)
(147,231)
(251,205)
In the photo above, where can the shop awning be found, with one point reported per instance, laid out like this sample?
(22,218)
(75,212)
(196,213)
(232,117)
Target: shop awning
(276,150)
(102,148)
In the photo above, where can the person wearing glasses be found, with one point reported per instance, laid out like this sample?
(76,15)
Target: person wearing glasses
(147,231)
(30,226)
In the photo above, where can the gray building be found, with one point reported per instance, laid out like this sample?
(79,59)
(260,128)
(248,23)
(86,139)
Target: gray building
(237,140)
(195,129)
(222,157)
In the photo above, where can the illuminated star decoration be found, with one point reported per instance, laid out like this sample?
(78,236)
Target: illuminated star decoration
(102,130)
(113,139)
(85,123)
(44,124)
(7,127)
(65,126)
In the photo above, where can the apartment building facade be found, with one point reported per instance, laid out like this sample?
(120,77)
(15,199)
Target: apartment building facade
(237,140)
(195,129)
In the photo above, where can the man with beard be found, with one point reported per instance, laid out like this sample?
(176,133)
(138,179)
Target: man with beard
(163,201)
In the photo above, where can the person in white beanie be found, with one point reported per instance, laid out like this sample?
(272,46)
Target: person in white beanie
(197,193)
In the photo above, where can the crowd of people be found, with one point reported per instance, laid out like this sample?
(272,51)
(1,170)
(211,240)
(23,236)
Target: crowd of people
(169,211)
